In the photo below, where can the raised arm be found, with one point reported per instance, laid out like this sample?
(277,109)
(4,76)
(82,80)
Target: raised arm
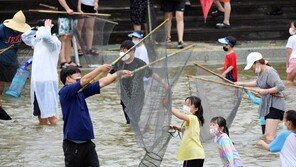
(29,37)
(91,75)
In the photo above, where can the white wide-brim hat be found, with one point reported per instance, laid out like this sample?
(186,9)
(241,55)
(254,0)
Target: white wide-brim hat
(252,58)
(17,23)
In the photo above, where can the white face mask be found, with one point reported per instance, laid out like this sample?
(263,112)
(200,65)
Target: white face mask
(292,31)
(214,132)
(124,58)
(257,69)
(136,41)
(186,109)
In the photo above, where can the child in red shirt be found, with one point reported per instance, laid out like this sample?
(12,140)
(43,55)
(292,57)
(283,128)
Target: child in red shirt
(229,70)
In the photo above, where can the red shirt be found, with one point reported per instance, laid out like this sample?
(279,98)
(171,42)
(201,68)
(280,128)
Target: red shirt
(230,60)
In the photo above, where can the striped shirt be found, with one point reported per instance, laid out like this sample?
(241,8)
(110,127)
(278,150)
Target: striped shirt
(227,152)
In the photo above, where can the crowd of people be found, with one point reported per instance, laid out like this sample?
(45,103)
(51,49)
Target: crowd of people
(78,128)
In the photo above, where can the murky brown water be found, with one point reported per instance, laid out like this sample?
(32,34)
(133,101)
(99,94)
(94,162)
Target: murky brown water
(24,143)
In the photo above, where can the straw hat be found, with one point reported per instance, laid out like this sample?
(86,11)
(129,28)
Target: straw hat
(18,22)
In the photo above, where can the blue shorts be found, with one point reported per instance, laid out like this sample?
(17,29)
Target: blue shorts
(66,26)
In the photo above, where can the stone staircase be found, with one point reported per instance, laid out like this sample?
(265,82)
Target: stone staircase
(248,19)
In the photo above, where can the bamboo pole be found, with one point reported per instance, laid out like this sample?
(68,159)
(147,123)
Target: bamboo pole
(6,49)
(225,84)
(212,72)
(158,60)
(64,12)
(120,57)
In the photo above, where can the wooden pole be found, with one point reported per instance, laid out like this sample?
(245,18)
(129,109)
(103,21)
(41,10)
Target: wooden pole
(64,12)
(225,84)
(120,57)
(212,72)
(158,60)
(6,49)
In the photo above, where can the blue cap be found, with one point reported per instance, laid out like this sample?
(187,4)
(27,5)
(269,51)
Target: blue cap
(137,34)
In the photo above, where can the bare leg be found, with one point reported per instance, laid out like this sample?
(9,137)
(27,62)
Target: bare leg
(227,12)
(290,79)
(219,5)
(79,29)
(270,128)
(63,48)
(168,15)
(53,120)
(180,25)
(89,25)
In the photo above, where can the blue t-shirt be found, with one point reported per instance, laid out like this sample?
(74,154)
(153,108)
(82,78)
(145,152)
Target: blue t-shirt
(77,121)
(9,37)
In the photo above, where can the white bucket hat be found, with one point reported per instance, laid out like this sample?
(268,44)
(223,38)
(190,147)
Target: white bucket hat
(252,57)
(17,23)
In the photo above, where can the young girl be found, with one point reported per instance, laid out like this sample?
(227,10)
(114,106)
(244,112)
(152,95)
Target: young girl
(285,142)
(190,151)
(227,151)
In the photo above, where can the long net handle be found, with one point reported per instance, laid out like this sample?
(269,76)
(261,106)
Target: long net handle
(48,6)
(212,72)
(64,12)
(158,60)
(6,49)
(225,84)
(119,58)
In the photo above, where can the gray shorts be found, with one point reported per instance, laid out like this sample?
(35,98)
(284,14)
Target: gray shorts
(66,26)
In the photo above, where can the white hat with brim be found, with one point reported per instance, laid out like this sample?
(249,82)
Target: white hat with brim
(223,40)
(17,23)
(252,58)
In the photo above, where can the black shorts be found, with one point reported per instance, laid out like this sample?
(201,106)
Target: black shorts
(80,154)
(173,5)
(88,9)
(7,72)
(275,114)
(36,109)
(194,163)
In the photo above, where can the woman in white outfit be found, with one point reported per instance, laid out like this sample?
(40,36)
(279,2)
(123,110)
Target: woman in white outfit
(44,77)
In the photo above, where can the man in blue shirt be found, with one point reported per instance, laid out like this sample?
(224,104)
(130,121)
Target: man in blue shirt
(78,148)
(10,36)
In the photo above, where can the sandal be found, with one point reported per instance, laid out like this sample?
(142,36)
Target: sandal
(71,63)
(80,53)
(93,52)
(64,65)
(222,26)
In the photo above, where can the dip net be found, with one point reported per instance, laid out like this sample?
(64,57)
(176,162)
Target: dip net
(91,46)
(143,98)
(218,99)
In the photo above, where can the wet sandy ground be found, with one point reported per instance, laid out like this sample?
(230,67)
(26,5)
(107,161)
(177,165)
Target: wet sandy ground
(24,143)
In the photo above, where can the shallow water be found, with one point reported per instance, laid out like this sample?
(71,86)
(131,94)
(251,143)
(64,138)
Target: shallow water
(24,143)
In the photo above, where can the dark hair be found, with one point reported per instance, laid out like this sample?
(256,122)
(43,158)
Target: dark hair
(231,40)
(68,71)
(294,23)
(127,44)
(197,104)
(221,123)
(291,116)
